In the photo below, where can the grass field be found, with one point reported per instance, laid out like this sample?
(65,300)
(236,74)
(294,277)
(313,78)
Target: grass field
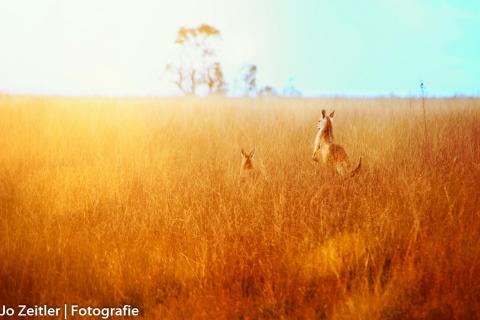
(138,201)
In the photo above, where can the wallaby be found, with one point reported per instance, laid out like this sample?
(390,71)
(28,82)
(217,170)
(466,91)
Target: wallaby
(331,154)
(247,160)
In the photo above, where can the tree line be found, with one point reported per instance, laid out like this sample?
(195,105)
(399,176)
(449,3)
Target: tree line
(197,68)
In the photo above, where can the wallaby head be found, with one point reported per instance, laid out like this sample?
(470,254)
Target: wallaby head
(325,126)
(247,160)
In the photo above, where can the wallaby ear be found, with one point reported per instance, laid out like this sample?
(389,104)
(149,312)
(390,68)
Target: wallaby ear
(323,113)
(252,154)
(243,153)
(332,113)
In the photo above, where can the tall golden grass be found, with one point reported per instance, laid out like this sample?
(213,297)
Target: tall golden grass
(138,201)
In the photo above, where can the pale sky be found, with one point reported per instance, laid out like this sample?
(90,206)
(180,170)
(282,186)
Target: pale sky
(120,47)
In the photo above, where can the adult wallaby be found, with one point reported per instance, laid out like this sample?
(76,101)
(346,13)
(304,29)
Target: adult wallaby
(331,154)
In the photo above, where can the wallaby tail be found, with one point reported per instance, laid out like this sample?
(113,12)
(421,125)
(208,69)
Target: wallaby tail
(357,169)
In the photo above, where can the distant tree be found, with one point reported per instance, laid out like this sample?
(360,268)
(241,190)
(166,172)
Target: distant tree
(215,79)
(197,65)
(249,78)
(267,91)
(290,89)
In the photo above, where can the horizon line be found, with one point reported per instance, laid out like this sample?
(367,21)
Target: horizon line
(229,96)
